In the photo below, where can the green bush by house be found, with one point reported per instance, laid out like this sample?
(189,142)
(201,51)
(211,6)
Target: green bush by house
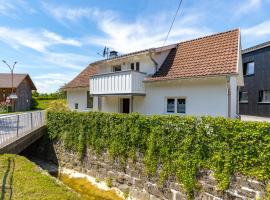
(179,146)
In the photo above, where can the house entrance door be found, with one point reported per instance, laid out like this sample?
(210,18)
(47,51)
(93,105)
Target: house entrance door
(125,105)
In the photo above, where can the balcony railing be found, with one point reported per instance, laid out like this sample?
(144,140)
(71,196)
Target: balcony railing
(123,82)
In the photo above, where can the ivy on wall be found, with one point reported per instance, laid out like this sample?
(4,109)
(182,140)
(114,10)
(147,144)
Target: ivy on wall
(178,146)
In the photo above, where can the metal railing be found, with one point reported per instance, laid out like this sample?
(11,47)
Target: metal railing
(17,125)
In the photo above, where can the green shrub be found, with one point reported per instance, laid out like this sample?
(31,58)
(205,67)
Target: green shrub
(179,146)
(109,182)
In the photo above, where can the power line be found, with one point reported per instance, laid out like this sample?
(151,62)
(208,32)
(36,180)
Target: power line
(178,8)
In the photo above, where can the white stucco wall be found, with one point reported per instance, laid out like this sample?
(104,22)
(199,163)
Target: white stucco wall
(79,96)
(203,97)
(146,64)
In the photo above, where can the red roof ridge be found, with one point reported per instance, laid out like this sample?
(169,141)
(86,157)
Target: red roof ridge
(212,35)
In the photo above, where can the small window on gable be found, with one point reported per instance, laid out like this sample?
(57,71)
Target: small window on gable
(76,106)
(89,100)
(243,97)
(264,96)
(138,66)
(248,68)
(132,66)
(117,68)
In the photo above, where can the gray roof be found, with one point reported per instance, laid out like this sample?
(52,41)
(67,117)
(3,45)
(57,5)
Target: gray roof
(5,80)
(257,47)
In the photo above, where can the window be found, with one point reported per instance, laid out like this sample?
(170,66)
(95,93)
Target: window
(89,100)
(243,97)
(170,105)
(117,68)
(76,106)
(264,96)
(132,66)
(137,66)
(176,105)
(181,105)
(248,68)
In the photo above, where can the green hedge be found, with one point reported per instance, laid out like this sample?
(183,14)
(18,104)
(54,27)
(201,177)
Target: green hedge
(178,146)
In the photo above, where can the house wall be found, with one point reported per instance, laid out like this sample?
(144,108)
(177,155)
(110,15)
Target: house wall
(146,64)
(203,97)
(24,93)
(80,96)
(259,81)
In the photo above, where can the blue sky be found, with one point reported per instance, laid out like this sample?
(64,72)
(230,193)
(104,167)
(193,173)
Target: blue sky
(54,40)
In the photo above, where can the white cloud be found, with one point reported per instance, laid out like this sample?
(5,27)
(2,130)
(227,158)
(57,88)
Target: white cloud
(259,30)
(63,13)
(145,33)
(130,36)
(51,82)
(248,5)
(66,60)
(36,39)
(12,7)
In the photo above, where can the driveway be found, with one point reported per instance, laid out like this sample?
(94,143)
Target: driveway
(254,118)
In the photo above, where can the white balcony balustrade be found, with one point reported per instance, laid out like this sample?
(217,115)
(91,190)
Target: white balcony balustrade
(123,82)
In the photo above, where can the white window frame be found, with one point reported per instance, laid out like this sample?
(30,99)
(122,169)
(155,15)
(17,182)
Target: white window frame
(175,105)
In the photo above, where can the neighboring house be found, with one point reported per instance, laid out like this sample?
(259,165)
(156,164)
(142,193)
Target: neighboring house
(254,97)
(22,86)
(196,77)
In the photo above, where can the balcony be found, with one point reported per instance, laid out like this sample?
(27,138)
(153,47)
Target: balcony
(118,83)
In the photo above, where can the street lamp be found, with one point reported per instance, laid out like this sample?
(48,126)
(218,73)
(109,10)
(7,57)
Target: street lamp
(12,95)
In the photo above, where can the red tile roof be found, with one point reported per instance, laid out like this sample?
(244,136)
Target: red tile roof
(207,56)
(82,80)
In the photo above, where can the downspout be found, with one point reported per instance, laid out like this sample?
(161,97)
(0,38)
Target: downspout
(153,60)
(229,94)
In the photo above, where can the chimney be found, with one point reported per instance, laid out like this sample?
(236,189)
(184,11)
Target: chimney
(113,54)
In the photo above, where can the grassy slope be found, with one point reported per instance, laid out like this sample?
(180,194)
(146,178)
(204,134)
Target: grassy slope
(43,104)
(22,179)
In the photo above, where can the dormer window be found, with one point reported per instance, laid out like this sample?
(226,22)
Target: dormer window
(117,68)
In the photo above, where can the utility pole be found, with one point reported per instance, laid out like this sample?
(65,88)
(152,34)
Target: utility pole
(12,95)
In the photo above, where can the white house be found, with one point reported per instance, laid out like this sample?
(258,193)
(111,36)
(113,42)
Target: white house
(196,77)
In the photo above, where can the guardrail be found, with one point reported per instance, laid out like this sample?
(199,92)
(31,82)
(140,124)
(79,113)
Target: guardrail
(17,125)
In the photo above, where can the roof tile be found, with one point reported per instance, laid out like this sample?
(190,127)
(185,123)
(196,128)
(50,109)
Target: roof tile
(211,55)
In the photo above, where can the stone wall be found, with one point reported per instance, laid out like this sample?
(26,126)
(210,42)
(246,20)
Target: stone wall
(132,178)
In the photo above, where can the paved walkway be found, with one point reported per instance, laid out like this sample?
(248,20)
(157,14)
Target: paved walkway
(254,118)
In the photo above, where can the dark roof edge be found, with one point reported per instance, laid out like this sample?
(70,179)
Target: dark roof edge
(256,47)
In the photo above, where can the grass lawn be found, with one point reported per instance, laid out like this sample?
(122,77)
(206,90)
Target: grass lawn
(43,104)
(22,179)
